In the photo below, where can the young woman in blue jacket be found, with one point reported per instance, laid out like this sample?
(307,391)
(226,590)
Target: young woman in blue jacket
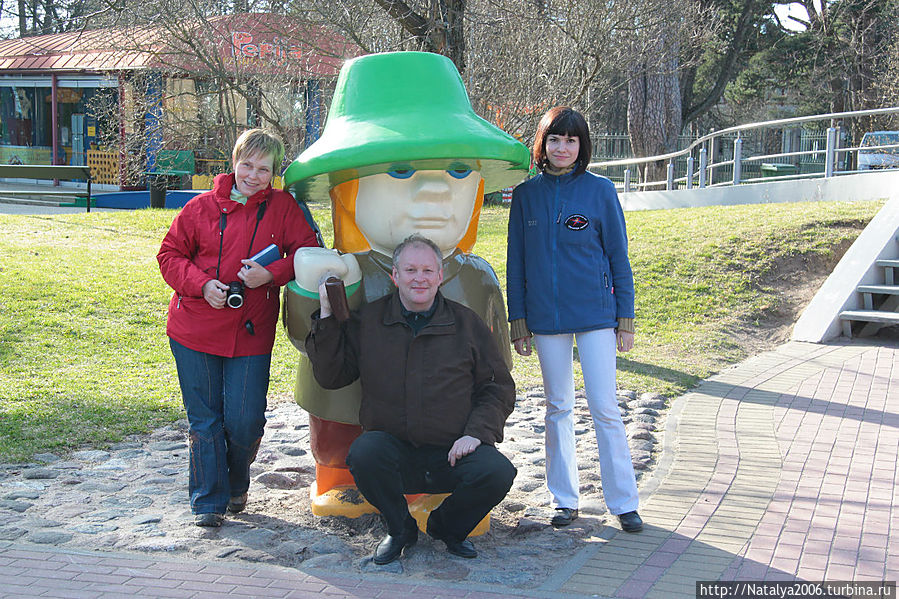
(569,278)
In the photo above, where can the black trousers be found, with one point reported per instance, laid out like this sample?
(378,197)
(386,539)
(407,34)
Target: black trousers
(385,468)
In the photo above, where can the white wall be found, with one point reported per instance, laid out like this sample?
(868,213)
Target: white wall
(872,185)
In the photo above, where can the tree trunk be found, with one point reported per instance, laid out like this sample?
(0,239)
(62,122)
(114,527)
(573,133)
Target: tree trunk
(442,31)
(654,111)
(23,19)
(454,14)
(837,95)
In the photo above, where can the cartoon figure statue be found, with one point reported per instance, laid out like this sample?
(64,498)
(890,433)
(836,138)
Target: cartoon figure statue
(402,152)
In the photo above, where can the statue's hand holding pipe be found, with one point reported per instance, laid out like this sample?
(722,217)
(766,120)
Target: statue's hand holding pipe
(313,266)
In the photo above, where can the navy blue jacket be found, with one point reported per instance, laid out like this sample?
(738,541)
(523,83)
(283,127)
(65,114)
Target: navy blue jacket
(567,268)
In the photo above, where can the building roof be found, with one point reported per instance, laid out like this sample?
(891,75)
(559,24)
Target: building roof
(94,50)
(258,42)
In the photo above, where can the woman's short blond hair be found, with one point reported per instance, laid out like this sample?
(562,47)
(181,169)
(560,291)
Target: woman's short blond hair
(261,142)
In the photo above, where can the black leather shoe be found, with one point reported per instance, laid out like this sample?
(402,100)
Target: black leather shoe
(237,504)
(631,522)
(392,547)
(210,520)
(463,548)
(564,516)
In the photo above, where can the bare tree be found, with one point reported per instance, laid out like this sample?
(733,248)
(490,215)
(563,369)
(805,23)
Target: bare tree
(436,25)
(748,17)
(39,17)
(217,74)
(850,39)
(521,57)
(886,86)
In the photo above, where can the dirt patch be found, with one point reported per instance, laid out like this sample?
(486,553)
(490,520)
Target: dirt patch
(794,280)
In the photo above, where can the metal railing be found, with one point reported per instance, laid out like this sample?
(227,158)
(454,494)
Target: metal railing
(708,146)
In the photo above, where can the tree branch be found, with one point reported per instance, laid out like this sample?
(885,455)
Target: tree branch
(410,20)
(744,24)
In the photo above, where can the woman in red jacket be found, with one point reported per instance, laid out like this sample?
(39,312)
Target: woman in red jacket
(222,316)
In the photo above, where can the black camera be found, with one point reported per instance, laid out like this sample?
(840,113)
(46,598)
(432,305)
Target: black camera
(235,294)
(263,258)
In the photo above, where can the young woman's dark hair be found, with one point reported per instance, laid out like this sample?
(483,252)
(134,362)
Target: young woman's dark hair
(563,120)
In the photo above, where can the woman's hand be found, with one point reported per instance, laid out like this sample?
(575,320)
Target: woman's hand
(625,341)
(214,292)
(523,346)
(254,276)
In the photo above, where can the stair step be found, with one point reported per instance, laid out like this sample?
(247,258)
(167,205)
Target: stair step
(882,289)
(870,316)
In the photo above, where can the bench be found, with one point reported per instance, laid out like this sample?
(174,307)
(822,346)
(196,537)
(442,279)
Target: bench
(170,164)
(47,172)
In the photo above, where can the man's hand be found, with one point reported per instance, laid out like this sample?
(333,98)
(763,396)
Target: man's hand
(523,346)
(214,293)
(254,276)
(625,341)
(461,448)
(323,299)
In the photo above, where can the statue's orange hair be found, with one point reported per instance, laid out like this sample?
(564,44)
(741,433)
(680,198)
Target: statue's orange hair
(348,237)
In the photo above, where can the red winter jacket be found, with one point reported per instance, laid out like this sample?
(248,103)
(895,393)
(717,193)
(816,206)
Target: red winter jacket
(190,253)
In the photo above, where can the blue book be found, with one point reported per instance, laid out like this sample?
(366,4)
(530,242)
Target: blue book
(266,256)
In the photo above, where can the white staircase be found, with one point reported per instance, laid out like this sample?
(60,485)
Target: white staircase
(862,287)
(879,303)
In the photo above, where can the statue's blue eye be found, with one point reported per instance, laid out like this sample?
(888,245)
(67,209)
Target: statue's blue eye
(459,173)
(401,173)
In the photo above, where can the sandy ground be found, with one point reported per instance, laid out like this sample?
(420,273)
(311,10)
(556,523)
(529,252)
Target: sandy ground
(133,497)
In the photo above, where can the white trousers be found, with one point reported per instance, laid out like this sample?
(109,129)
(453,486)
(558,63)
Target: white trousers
(597,356)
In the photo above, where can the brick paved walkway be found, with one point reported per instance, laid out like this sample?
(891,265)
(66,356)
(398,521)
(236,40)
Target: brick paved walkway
(784,468)
(781,468)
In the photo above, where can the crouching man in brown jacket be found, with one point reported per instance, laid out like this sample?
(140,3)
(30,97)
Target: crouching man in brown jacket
(435,397)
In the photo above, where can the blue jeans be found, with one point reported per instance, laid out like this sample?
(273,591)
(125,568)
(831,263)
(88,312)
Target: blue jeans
(225,403)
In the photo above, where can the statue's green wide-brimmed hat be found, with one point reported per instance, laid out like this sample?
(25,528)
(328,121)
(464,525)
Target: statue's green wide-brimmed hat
(404,109)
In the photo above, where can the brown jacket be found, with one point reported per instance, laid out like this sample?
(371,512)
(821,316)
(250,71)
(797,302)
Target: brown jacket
(432,388)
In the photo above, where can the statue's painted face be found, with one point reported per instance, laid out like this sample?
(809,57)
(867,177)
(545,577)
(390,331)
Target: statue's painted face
(436,204)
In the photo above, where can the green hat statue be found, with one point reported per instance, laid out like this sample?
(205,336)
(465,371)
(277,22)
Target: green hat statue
(404,109)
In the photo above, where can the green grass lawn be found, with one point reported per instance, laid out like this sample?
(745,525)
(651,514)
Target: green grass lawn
(84,358)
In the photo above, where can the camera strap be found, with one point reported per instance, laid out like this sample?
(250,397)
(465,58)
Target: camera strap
(223,222)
